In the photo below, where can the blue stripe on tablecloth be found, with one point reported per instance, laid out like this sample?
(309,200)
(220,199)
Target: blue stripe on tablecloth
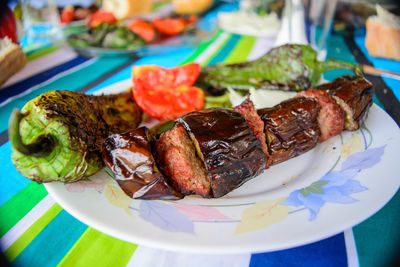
(382,63)
(21,86)
(52,243)
(225,51)
(328,252)
(166,61)
(10,180)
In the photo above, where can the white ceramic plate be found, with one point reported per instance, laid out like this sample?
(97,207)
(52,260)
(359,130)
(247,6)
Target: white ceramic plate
(336,185)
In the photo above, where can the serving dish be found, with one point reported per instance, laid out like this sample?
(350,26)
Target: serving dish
(164,45)
(336,185)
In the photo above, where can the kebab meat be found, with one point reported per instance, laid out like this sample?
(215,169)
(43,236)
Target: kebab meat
(213,151)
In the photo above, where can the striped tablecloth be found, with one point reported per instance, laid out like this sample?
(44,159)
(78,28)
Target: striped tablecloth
(36,231)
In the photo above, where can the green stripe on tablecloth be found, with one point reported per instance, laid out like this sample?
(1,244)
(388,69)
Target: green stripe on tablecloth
(241,51)
(34,48)
(383,250)
(215,53)
(23,241)
(70,81)
(224,52)
(200,49)
(93,243)
(52,243)
(19,205)
(41,52)
(338,49)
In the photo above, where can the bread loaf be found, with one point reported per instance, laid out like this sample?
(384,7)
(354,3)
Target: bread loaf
(383,35)
(12,59)
(191,7)
(123,9)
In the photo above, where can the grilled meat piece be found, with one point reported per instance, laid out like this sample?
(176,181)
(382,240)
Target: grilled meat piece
(330,117)
(129,156)
(249,112)
(224,141)
(354,95)
(179,161)
(291,127)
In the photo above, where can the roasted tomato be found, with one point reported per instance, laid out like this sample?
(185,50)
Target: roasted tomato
(67,14)
(167,93)
(144,29)
(99,17)
(8,25)
(169,26)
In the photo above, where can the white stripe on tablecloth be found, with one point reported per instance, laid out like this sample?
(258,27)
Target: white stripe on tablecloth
(145,256)
(32,216)
(212,48)
(86,63)
(261,46)
(41,64)
(352,257)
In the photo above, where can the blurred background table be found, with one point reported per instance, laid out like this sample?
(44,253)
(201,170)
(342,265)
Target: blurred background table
(36,231)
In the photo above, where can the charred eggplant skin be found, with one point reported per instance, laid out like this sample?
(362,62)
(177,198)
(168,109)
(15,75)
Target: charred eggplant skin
(231,152)
(354,91)
(129,157)
(291,128)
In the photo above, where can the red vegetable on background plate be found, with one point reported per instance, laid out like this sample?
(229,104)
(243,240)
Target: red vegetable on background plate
(8,25)
(144,29)
(167,93)
(99,17)
(67,14)
(173,26)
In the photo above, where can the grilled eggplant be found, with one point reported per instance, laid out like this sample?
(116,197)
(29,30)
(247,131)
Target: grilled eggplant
(129,156)
(58,135)
(231,152)
(354,95)
(291,128)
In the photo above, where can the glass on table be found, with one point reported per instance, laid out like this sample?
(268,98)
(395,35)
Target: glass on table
(41,22)
(320,18)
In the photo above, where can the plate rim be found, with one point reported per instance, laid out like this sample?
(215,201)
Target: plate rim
(216,249)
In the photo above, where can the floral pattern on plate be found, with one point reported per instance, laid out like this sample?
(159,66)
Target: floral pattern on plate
(337,186)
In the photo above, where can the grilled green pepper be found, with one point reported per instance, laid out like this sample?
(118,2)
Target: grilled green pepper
(107,36)
(58,136)
(290,67)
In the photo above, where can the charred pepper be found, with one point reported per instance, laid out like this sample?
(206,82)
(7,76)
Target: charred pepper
(290,67)
(58,135)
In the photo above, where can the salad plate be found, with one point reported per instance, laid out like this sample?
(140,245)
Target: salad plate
(168,45)
(334,186)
